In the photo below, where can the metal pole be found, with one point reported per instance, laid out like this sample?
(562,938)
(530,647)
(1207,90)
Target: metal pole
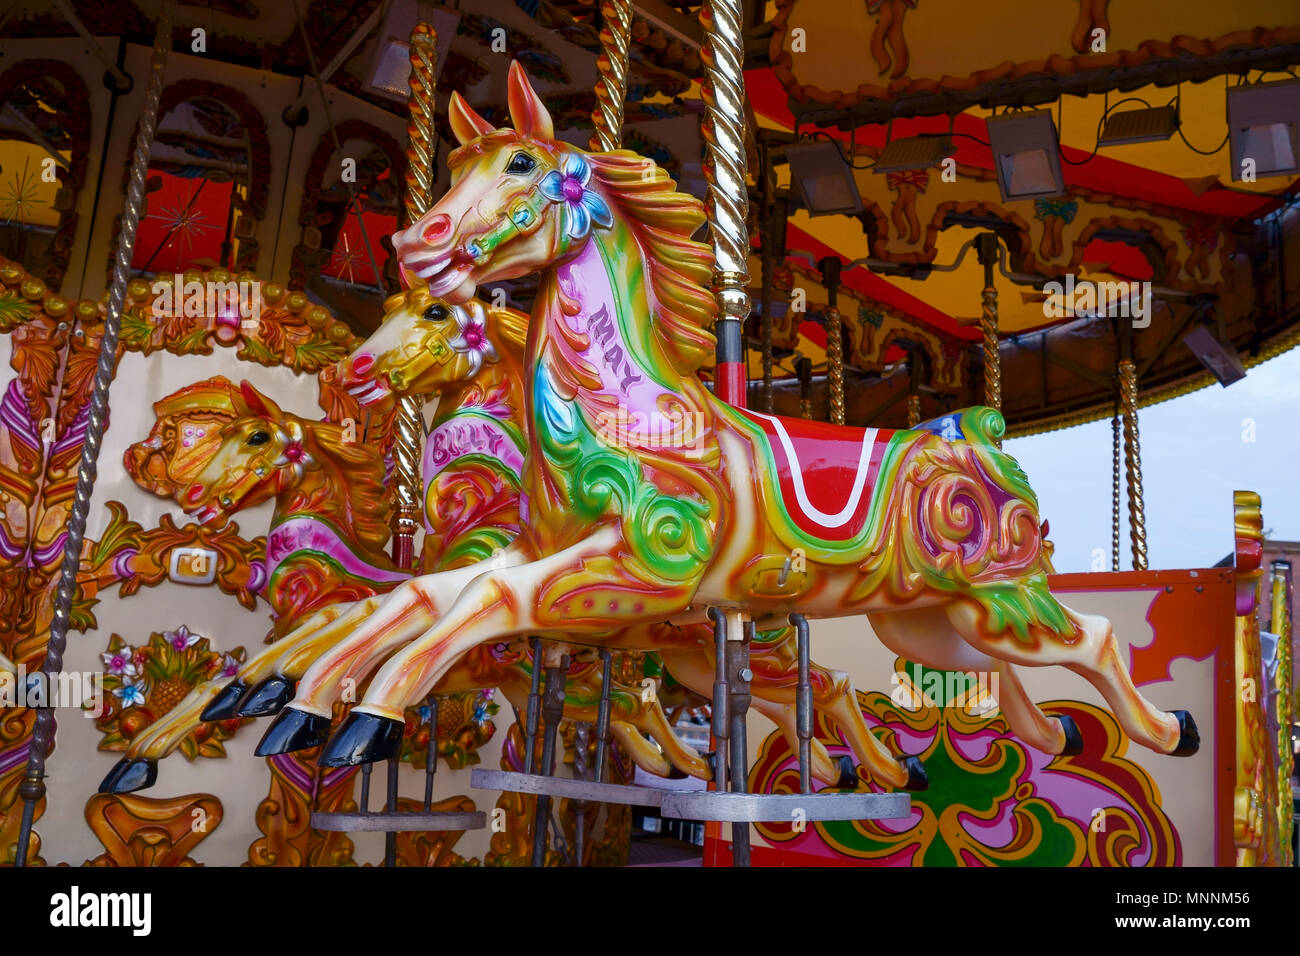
(803,367)
(728,195)
(431,755)
(804,702)
(721,699)
(553,713)
(772,228)
(32,788)
(830,268)
(390,805)
(532,711)
(1115,455)
(987,249)
(739,674)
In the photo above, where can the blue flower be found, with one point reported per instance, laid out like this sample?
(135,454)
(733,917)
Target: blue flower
(568,185)
(131,694)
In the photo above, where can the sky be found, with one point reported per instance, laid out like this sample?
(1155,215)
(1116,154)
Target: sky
(1196,451)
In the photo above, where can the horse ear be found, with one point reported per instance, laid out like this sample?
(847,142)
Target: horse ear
(465,123)
(255,402)
(527,111)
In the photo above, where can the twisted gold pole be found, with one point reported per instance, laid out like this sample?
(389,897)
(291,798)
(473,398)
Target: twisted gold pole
(1133,461)
(421,149)
(1114,489)
(835,364)
(1280,624)
(32,788)
(913,410)
(992,356)
(611,84)
(728,192)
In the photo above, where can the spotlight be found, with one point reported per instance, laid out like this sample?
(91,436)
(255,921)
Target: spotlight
(1215,354)
(389,72)
(823,177)
(1026,155)
(1264,126)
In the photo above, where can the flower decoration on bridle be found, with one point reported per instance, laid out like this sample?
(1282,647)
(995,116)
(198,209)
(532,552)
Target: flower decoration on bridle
(295,456)
(582,205)
(471,340)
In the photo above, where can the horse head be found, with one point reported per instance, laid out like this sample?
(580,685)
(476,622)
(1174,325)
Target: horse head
(186,434)
(262,451)
(520,200)
(426,344)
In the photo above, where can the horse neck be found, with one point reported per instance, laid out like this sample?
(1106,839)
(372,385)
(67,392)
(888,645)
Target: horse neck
(315,515)
(603,293)
(497,389)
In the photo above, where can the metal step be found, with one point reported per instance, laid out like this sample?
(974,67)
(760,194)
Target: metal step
(398,822)
(706,804)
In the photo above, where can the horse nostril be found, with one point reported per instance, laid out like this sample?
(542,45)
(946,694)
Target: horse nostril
(196,492)
(437,228)
(363,364)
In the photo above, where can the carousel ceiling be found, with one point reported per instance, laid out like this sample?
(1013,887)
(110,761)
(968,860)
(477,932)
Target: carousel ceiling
(866,74)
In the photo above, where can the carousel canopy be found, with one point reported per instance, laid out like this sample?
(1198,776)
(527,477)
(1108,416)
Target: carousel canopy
(1137,160)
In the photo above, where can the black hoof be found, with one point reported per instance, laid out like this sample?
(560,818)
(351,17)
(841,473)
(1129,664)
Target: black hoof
(363,738)
(130,774)
(223,705)
(1189,738)
(267,698)
(1073,739)
(917,780)
(848,773)
(293,730)
(675,774)
(711,758)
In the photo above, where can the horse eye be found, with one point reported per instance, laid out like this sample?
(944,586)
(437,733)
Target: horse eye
(435,313)
(258,438)
(521,163)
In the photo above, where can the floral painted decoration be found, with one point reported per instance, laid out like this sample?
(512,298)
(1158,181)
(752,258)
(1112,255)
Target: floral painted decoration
(583,206)
(143,683)
(472,340)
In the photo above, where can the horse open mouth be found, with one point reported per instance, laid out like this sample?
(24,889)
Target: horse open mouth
(205,515)
(368,393)
(446,276)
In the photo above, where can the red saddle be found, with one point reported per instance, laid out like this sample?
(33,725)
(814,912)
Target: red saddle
(826,473)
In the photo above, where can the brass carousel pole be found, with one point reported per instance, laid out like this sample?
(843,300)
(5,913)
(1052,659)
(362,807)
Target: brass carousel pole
(1128,393)
(830,269)
(32,788)
(723,91)
(913,389)
(421,149)
(726,170)
(987,250)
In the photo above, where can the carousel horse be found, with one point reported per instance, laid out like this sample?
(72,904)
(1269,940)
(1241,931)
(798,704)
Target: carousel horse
(472,462)
(324,552)
(931,532)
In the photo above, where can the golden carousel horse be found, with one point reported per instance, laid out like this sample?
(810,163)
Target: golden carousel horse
(703,505)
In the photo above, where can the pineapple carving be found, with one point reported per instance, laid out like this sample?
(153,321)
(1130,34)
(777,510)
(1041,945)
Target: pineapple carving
(144,682)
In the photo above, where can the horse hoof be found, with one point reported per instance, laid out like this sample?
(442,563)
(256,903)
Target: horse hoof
(1073,739)
(675,774)
(710,758)
(917,780)
(363,738)
(849,773)
(1189,738)
(293,730)
(130,774)
(223,705)
(267,698)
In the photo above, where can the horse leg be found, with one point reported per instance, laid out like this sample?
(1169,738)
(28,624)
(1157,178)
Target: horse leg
(404,613)
(498,604)
(265,684)
(1094,656)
